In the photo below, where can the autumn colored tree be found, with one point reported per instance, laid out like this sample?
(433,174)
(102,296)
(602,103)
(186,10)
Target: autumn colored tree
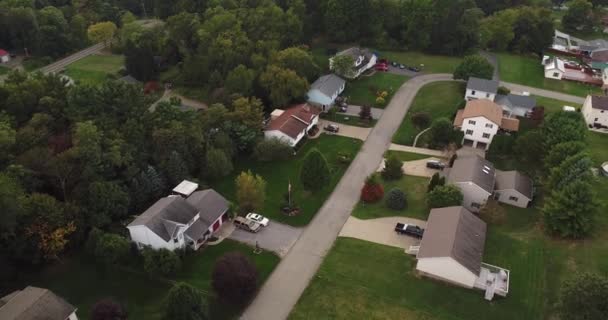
(372,191)
(250,191)
(101,32)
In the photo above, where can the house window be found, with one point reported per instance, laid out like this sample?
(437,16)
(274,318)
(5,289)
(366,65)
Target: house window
(472,122)
(487,95)
(470,132)
(512,198)
(555,74)
(489,125)
(475,205)
(486,135)
(473,92)
(596,119)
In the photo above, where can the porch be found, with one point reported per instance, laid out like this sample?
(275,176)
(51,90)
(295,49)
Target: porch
(494,280)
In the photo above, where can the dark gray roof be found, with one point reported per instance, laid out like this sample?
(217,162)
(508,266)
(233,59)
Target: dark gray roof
(196,230)
(599,102)
(474,169)
(356,52)
(210,204)
(515,100)
(34,303)
(163,216)
(513,180)
(484,85)
(328,84)
(454,232)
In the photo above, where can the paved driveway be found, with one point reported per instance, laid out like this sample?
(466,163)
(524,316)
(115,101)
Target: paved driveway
(353,110)
(381,230)
(276,237)
(346,130)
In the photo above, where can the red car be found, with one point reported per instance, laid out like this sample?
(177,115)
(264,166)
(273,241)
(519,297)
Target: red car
(381,67)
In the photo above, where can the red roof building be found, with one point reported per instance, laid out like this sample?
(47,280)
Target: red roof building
(291,125)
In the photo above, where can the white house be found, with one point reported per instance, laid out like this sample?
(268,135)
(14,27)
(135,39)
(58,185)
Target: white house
(324,91)
(452,249)
(291,125)
(4,56)
(35,303)
(595,111)
(475,177)
(513,188)
(175,222)
(481,89)
(554,67)
(363,59)
(514,105)
(480,120)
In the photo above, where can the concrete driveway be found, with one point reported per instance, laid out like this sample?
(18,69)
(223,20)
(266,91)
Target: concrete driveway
(346,130)
(381,230)
(353,110)
(402,72)
(417,167)
(276,237)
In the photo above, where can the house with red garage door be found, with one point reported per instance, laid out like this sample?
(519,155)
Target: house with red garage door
(186,218)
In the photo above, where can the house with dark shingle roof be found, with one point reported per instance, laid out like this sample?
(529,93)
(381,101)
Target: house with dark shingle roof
(324,91)
(478,88)
(292,124)
(452,250)
(595,111)
(514,105)
(513,188)
(34,303)
(177,221)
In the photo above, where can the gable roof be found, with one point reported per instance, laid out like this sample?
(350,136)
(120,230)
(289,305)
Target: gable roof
(484,85)
(355,53)
(600,55)
(599,102)
(555,63)
(294,120)
(514,180)
(164,216)
(3,53)
(473,169)
(457,233)
(515,100)
(487,109)
(210,204)
(34,303)
(328,84)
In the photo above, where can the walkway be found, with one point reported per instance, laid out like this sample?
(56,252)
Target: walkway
(493,60)
(381,231)
(281,291)
(418,136)
(429,152)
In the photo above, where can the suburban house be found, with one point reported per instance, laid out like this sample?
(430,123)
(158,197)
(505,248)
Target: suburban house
(554,67)
(34,303)
(475,177)
(595,111)
(324,91)
(480,121)
(186,218)
(514,105)
(291,125)
(513,188)
(363,59)
(481,89)
(4,56)
(452,250)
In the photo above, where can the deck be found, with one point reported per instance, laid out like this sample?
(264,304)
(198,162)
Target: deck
(494,280)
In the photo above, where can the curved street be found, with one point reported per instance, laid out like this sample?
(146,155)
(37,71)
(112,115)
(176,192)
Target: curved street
(283,288)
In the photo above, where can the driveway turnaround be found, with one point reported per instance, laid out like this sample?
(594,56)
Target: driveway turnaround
(346,130)
(276,237)
(381,231)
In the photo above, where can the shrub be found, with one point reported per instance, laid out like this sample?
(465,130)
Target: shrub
(235,278)
(503,90)
(444,196)
(393,168)
(421,120)
(436,180)
(314,173)
(380,101)
(365,113)
(112,248)
(161,262)
(108,309)
(272,150)
(372,191)
(474,66)
(185,302)
(585,296)
(396,199)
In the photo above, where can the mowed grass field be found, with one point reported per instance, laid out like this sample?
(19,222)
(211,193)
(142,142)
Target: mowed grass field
(94,69)
(438,99)
(364,90)
(279,174)
(431,63)
(81,282)
(527,70)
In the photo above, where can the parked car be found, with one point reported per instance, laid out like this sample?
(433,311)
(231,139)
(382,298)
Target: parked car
(415,69)
(343,108)
(402,66)
(381,67)
(252,216)
(409,230)
(247,225)
(434,164)
(394,64)
(332,128)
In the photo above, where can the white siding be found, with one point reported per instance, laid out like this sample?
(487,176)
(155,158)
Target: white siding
(5,59)
(448,269)
(278,134)
(504,196)
(594,115)
(553,74)
(476,94)
(72,316)
(144,236)
(479,128)
(472,193)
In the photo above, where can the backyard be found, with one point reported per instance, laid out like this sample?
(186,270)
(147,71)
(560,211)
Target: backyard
(432,63)
(364,90)
(527,70)
(438,99)
(82,283)
(279,174)
(95,69)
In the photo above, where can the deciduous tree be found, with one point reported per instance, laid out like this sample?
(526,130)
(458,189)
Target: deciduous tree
(444,196)
(250,191)
(234,278)
(314,173)
(101,31)
(283,85)
(185,302)
(569,211)
(583,297)
(474,66)
(108,309)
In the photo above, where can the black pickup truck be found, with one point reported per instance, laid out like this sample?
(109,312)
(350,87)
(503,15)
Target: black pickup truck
(410,230)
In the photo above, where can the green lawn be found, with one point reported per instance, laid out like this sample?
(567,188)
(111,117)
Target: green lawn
(94,69)
(82,283)
(4,70)
(33,63)
(438,99)
(415,192)
(349,120)
(553,105)
(363,91)
(279,174)
(432,63)
(527,70)
(598,147)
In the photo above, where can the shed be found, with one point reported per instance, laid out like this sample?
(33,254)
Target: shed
(4,56)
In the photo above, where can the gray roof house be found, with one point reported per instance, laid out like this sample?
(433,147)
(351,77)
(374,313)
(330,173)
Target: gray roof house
(475,177)
(452,250)
(34,303)
(363,59)
(324,91)
(478,88)
(513,188)
(515,105)
(175,221)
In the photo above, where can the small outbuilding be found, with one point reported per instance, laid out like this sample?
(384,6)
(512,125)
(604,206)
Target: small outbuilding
(34,303)
(4,56)
(554,68)
(513,188)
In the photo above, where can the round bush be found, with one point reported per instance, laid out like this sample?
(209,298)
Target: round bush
(235,278)
(396,199)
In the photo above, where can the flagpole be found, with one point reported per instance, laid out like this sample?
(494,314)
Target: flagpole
(289,193)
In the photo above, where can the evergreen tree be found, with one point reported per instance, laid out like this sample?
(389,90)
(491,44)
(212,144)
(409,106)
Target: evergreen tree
(393,168)
(314,173)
